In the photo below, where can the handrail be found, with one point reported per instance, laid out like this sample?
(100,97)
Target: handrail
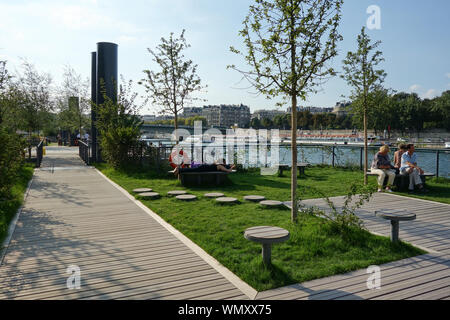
(39,153)
(84,152)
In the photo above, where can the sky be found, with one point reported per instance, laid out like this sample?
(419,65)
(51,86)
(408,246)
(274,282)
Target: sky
(52,34)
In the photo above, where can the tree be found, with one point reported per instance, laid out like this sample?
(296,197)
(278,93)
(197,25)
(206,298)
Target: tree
(255,123)
(360,74)
(172,86)
(441,105)
(266,123)
(34,96)
(119,126)
(288,44)
(7,93)
(73,101)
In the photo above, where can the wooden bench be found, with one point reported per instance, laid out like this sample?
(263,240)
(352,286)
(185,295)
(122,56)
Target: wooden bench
(300,166)
(402,181)
(218,177)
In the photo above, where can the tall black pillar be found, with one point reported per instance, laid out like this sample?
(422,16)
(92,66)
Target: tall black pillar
(106,71)
(94,101)
(106,77)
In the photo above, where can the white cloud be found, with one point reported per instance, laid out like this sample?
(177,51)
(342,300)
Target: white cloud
(430,94)
(447,75)
(414,88)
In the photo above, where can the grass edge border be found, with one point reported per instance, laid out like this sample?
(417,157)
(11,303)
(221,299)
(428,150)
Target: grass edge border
(12,225)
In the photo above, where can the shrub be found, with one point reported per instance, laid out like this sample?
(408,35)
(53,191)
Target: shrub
(11,158)
(344,218)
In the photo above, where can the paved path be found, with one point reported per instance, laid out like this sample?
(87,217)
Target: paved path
(422,277)
(74,217)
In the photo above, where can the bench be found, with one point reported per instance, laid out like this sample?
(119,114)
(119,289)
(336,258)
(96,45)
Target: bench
(218,177)
(402,181)
(395,216)
(266,236)
(300,166)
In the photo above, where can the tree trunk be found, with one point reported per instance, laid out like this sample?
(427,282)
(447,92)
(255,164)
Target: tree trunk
(294,210)
(365,146)
(29,144)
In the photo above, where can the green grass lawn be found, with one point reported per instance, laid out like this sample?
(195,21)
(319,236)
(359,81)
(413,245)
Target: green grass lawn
(314,250)
(438,190)
(8,208)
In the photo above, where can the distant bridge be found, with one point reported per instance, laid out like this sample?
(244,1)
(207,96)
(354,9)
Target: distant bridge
(165,131)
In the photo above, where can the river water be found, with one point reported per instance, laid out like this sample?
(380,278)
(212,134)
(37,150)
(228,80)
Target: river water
(250,156)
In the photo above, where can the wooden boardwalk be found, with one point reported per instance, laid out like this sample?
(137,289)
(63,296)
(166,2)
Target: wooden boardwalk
(73,216)
(422,277)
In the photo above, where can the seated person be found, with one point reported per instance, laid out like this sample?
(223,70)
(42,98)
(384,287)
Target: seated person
(398,157)
(409,167)
(217,166)
(381,165)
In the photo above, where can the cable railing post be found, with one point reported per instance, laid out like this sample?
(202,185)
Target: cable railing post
(437,164)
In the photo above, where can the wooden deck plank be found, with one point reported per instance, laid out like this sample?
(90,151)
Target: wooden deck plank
(354,277)
(148,291)
(409,292)
(438,294)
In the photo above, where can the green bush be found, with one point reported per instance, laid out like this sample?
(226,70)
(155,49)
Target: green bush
(11,158)
(119,145)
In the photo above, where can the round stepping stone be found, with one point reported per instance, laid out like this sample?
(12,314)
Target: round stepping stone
(176,192)
(226,200)
(186,197)
(214,195)
(141,190)
(254,198)
(149,195)
(271,203)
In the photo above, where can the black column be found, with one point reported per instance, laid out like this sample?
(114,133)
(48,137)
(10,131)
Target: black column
(106,71)
(94,101)
(106,77)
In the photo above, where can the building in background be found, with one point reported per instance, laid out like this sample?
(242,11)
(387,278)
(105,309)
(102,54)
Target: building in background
(227,115)
(267,114)
(192,112)
(313,110)
(216,115)
(341,109)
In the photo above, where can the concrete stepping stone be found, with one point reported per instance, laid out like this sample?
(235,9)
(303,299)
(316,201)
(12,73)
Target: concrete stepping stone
(149,195)
(226,200)
(214,195)
(186,197)
(176,192)
(254,198)
(141,190)
(271,203)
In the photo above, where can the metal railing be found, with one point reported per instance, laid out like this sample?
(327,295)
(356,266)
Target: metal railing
(84,151)
(39,153)
(436,161)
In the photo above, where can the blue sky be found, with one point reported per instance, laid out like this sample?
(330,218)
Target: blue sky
(50,34)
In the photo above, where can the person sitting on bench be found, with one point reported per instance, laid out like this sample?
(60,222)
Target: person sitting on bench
(381,165)
(398,157)
(409,167)
(217,166)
